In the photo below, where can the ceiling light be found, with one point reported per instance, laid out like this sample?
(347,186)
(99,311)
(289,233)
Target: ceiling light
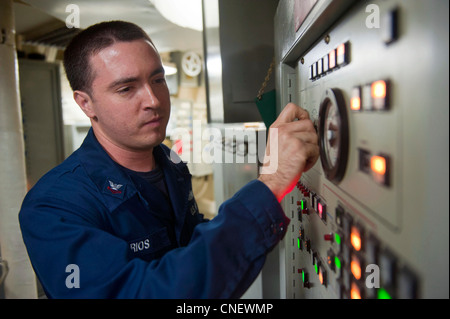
(185,13)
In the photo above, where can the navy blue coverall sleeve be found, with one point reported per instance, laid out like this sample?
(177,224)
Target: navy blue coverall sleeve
(222,259)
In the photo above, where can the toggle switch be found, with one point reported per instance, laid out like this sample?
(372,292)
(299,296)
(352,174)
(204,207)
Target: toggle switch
(299,243)
(330,259)
(308,245)
(301,233)
(305,279)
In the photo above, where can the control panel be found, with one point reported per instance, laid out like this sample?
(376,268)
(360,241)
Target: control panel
(371,218)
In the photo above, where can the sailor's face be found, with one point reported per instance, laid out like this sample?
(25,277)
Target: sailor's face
(130,98)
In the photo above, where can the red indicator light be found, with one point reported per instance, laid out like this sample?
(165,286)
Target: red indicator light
(322,210)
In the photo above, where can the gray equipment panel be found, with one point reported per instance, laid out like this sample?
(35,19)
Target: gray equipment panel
(371,218)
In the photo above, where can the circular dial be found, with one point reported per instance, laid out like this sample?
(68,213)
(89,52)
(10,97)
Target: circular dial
(333,135)
(191,63)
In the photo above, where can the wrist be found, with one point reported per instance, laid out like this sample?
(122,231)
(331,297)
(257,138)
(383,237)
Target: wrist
(274,188)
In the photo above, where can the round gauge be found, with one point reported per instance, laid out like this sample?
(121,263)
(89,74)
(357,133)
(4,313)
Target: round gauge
(191,63)
(333,135)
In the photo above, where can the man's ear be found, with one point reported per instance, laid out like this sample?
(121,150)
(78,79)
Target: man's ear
(85,102)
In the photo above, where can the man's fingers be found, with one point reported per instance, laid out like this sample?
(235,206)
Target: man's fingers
(296,129)
(298,126)
(292,112)
(308,137)
(313,154)
(295,149)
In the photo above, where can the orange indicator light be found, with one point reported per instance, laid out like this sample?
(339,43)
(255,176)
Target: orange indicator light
(355,238)
(378,164)
(341,50)
(355,268)
(355,293)
(355,103)
(332,59)
(342,55)
(379,90)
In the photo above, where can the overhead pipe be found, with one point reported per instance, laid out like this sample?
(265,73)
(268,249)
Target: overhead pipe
(20,282)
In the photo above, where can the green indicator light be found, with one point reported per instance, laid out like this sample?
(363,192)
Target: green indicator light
(302,203)
(303,276)
(337,262)
(383,294)
(298,243)
(316,268)
(337,238)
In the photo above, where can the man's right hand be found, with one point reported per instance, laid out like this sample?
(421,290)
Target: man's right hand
(292,149)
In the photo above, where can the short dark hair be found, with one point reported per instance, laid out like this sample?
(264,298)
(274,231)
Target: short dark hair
(91,41)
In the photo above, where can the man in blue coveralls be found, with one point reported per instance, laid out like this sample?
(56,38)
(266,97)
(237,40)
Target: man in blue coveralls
(123,215)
